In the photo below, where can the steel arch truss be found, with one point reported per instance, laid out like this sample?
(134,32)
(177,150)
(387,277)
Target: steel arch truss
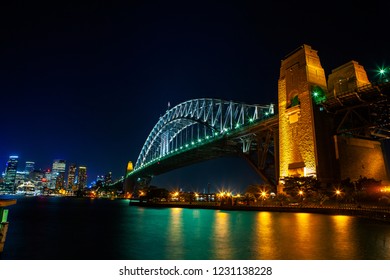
(197,122)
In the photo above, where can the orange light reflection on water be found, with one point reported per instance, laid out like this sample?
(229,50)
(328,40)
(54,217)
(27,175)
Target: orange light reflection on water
(300,236)
(175,243)
(343,240)
(221,230)
(264,238)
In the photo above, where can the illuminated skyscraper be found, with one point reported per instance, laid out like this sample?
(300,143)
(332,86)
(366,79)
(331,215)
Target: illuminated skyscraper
(47,178)
(71,177)
(58,171)
(10,174)
(82,177)
(107,179)
(99,181)
(30,165)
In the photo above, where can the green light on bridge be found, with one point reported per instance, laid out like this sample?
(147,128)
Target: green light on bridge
(383,73)
(318,94)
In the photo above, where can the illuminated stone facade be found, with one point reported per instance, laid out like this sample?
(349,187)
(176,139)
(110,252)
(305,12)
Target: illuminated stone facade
(360,157)
(308,144)
(347,77)
(299,73)
(355,157)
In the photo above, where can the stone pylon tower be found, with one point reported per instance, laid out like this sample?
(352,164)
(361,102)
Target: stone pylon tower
(304,135)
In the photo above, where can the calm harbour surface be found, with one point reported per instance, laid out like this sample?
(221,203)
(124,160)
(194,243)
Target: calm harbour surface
(66,228)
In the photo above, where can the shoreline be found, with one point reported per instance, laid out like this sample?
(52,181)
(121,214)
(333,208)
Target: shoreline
(378,214)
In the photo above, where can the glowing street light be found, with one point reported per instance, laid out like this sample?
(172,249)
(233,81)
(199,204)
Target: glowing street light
(263,195)
(338,194)
(301,194)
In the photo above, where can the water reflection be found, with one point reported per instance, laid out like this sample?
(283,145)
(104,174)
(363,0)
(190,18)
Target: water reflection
(264,242)
(342,243)
(174,241)
(222,244)
(209,234)
(150,233)
(205,234)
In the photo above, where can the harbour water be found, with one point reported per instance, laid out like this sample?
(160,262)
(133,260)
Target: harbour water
(65,228)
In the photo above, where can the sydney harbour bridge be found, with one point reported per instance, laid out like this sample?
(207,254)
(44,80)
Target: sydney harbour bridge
(318,128)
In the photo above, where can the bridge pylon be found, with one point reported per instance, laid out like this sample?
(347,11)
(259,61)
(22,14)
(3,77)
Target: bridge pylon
(332,130)
(304,130)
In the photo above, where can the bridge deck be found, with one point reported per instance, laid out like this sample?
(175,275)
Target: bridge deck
(363,95)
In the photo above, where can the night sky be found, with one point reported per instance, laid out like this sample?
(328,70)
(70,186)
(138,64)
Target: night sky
(87,81)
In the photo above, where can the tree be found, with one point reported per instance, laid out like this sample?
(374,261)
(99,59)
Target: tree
(157,194)
(348,187)
(257,192)
(307,185)
(282,198)
(363,189)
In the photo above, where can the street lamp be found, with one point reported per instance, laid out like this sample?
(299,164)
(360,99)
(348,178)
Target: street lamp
(300,193)
(263,196)
(338,194)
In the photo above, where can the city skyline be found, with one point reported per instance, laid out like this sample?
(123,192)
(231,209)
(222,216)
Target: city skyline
(61,176)
(91,81)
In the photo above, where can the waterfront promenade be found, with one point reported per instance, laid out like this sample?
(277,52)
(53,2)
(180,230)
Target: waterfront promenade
(365,211)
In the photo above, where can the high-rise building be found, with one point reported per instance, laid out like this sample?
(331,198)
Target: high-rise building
(82,177)
(21,177)
(71,177)
(30,165)
(10,174)
(108,179)
(58,171)
(60,181)
(38,178)
(99,181)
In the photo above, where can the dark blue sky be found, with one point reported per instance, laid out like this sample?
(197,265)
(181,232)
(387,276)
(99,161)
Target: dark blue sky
(87,81)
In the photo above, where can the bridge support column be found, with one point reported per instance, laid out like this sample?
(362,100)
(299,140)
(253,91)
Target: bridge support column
(258,152)
(300,129)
